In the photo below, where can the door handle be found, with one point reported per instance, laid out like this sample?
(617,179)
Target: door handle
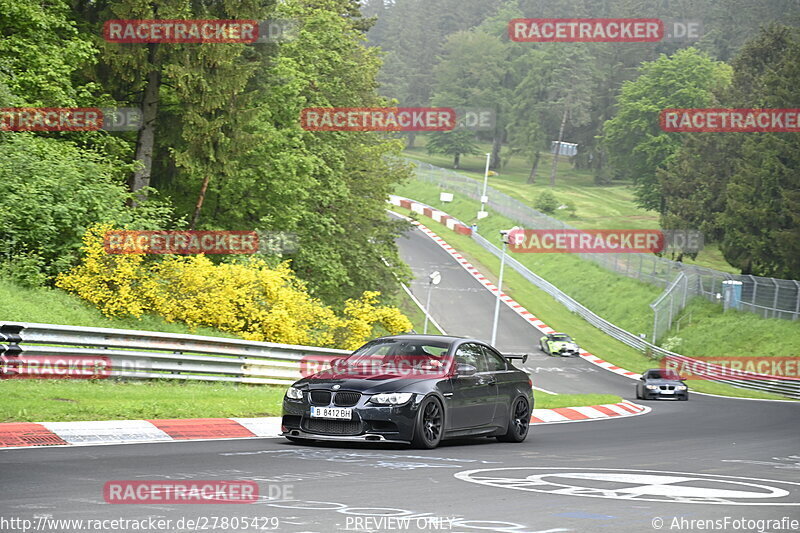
(490,381)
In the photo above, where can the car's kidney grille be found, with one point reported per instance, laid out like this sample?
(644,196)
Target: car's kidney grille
(320,397)
(667,387)
(346,399)
(333,427)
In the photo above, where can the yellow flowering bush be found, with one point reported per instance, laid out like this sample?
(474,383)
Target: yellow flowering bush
(111,282)
(247,298)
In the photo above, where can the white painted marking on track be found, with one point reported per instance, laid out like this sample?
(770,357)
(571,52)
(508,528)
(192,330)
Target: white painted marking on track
(640,485)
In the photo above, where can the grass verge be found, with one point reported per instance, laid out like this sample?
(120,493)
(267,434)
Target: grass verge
(559,318)
(542,400)
(34,400)
(55,306)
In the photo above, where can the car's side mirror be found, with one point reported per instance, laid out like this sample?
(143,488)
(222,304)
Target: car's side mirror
(463,370)
(641,378)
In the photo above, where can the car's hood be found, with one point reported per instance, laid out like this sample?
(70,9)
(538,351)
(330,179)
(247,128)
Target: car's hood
(562,344)
(366,385)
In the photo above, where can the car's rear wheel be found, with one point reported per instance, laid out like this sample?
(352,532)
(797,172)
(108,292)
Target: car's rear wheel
(429,426)
(519,422)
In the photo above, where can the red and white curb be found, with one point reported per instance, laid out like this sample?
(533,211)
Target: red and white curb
(460,227)
(30,434)
(561,415)
(47,434)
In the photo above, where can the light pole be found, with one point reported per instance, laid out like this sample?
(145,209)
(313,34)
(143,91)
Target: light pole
(505,236)
(485,183)
(433,279)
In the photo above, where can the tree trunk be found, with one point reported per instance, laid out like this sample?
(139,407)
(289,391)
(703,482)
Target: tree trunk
(497,144)
(200,199)
(456,160)
(558,148)
(534,167)
(147,135)
(412,136)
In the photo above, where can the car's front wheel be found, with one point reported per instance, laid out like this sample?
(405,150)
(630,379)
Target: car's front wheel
(429,425)
(519,422)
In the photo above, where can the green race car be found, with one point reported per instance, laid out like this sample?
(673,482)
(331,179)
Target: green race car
(558,344)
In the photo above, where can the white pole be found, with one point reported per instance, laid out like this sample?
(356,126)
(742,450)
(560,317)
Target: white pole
(427,308)
(485,180)
(499,290)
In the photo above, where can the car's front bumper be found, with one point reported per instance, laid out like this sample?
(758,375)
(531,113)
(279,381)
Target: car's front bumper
(366,437)
(565,353)
(659,394)
(369,423)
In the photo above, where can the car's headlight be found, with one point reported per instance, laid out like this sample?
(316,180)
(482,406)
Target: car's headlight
(293,393)
(652,387)
(391,398)
(680,387)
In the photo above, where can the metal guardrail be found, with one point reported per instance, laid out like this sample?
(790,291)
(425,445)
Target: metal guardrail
(786,387)
(153,355)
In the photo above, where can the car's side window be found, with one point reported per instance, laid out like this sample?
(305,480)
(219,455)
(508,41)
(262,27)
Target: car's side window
(494,361)
(471,354)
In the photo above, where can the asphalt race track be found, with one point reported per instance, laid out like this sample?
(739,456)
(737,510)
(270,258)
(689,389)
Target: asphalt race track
(706,459)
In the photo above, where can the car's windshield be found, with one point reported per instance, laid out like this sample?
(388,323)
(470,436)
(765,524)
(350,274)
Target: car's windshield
(562,338)
(663,374)
(398,353)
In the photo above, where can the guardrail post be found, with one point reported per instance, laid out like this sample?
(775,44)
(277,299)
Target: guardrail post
(775,299)
(797,304)
(10,337)
(655,323)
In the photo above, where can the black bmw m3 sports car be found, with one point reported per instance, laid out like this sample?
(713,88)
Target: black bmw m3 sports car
(413,389)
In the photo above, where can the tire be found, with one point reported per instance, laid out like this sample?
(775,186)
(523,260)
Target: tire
(685,398)
(519,422)
(638,395)
(429,425)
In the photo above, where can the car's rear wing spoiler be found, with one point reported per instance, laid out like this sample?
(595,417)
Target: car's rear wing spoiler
(521,356)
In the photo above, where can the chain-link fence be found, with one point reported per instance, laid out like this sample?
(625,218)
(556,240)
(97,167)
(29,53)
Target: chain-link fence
(667,306)
(767,297)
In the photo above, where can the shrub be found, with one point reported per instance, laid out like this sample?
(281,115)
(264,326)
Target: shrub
(51,192)
(546,202)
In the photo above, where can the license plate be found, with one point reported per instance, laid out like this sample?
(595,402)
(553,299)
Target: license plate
(667,392)
(338,413)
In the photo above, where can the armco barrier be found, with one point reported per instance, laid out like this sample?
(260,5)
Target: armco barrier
(152,355)
(788,388)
